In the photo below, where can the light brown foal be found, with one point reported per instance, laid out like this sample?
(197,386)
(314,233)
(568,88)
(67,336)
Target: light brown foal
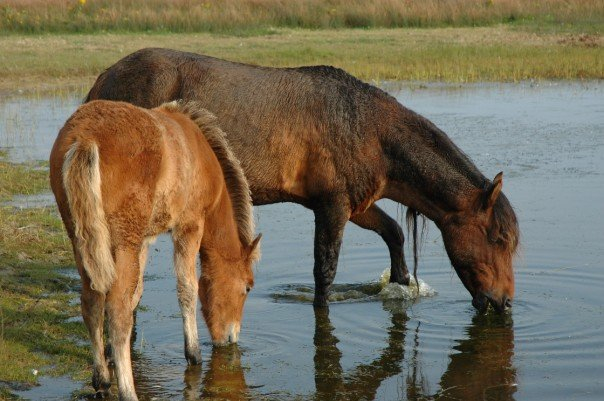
(121,175)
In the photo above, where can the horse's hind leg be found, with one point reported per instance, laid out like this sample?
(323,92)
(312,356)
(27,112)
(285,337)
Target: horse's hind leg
(186,246)
(119,312)
(329,228)
(377,220)
(93,313)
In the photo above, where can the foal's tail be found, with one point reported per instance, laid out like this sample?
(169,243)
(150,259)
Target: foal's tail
(82,183)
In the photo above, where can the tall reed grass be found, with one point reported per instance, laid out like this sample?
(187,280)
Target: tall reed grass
(240,16)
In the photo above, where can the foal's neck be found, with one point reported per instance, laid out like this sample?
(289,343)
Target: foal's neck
(221,233)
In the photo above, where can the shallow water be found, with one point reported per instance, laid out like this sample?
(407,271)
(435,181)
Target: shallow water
(549,141)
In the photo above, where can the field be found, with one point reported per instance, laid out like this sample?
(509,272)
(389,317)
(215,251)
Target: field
(245,17)
(499,53)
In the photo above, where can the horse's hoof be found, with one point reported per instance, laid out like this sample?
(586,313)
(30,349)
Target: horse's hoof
(403,279)
(320,301)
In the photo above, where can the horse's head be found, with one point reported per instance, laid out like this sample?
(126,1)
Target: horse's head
(481,241)
(223,288)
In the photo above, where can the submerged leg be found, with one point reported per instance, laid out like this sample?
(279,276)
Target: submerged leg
(186,247)
(377,220)
(329,228)
(93,313)
(119,313)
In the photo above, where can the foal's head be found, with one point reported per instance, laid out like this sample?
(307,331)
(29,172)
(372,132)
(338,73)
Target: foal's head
(223,288)
(481,242)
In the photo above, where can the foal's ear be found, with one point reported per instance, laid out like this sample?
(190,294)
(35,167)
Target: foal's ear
(254,249)
(493,191)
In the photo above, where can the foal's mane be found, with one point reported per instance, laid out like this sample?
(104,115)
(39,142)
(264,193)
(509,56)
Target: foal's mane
(234,177)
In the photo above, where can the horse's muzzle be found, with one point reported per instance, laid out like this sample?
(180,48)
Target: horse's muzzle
(482,300)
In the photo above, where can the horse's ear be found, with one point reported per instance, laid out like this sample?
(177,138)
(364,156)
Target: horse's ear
(493,191)
(254,249)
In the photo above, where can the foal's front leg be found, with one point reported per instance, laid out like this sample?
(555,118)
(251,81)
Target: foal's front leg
(186,246)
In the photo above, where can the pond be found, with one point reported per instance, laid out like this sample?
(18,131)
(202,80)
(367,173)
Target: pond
(548,138)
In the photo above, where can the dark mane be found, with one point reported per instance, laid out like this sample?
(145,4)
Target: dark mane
(505,225)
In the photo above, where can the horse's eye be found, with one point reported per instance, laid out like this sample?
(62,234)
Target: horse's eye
(248,289)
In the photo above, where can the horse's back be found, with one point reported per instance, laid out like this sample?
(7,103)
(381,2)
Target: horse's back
(300,133)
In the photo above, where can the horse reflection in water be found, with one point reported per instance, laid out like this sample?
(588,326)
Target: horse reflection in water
(480,369)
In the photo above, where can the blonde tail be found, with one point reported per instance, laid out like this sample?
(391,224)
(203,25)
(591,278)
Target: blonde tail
(82,183)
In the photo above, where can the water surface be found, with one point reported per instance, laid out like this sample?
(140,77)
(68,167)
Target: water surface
(549,141)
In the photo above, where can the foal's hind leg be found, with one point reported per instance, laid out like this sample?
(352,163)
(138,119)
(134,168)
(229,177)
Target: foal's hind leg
(377,220)
(119,313)
(93,311)
(186,246)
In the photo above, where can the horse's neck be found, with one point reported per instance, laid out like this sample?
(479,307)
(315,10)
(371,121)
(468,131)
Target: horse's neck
(427,171)
(221,234)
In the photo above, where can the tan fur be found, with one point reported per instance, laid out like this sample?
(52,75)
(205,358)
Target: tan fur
(122,175)
(237,184)
(82,181)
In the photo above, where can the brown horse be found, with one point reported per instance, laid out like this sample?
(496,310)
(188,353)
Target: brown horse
(122,175)
(320,137)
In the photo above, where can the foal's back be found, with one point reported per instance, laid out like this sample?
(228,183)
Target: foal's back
(149,159)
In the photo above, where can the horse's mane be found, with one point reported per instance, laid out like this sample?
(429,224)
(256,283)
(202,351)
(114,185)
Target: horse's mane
(234,177)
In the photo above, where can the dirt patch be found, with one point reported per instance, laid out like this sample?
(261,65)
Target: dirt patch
(581,40)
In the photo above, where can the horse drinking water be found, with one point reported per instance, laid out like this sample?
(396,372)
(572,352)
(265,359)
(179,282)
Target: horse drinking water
(121,175)
(320,137)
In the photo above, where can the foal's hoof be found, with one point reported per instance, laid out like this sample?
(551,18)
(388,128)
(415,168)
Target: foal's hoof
(101,384)
(193,357)
(103,393)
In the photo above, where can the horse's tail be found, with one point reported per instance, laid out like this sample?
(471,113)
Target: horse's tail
(82,183)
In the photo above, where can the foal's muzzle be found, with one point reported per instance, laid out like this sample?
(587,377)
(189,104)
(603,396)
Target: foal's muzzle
(231,334)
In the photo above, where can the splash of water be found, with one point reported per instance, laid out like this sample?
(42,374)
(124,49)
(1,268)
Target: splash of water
(361,292)
(396,291)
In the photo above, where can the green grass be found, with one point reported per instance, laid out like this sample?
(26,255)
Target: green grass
(36,298)
(21,179)
(499,53)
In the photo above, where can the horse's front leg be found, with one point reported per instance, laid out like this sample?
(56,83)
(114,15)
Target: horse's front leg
(375,219)
(186,246)
(330,218)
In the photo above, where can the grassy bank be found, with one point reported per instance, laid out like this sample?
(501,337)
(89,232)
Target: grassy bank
(253,16)
(497,53)
(36,300)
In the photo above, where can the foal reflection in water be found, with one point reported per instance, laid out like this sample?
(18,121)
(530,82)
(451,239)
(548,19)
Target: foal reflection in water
(122,175)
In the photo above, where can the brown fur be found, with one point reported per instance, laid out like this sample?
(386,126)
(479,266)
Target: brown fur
(121,175)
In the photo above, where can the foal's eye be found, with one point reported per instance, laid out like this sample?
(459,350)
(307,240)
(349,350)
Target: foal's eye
(248,289)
